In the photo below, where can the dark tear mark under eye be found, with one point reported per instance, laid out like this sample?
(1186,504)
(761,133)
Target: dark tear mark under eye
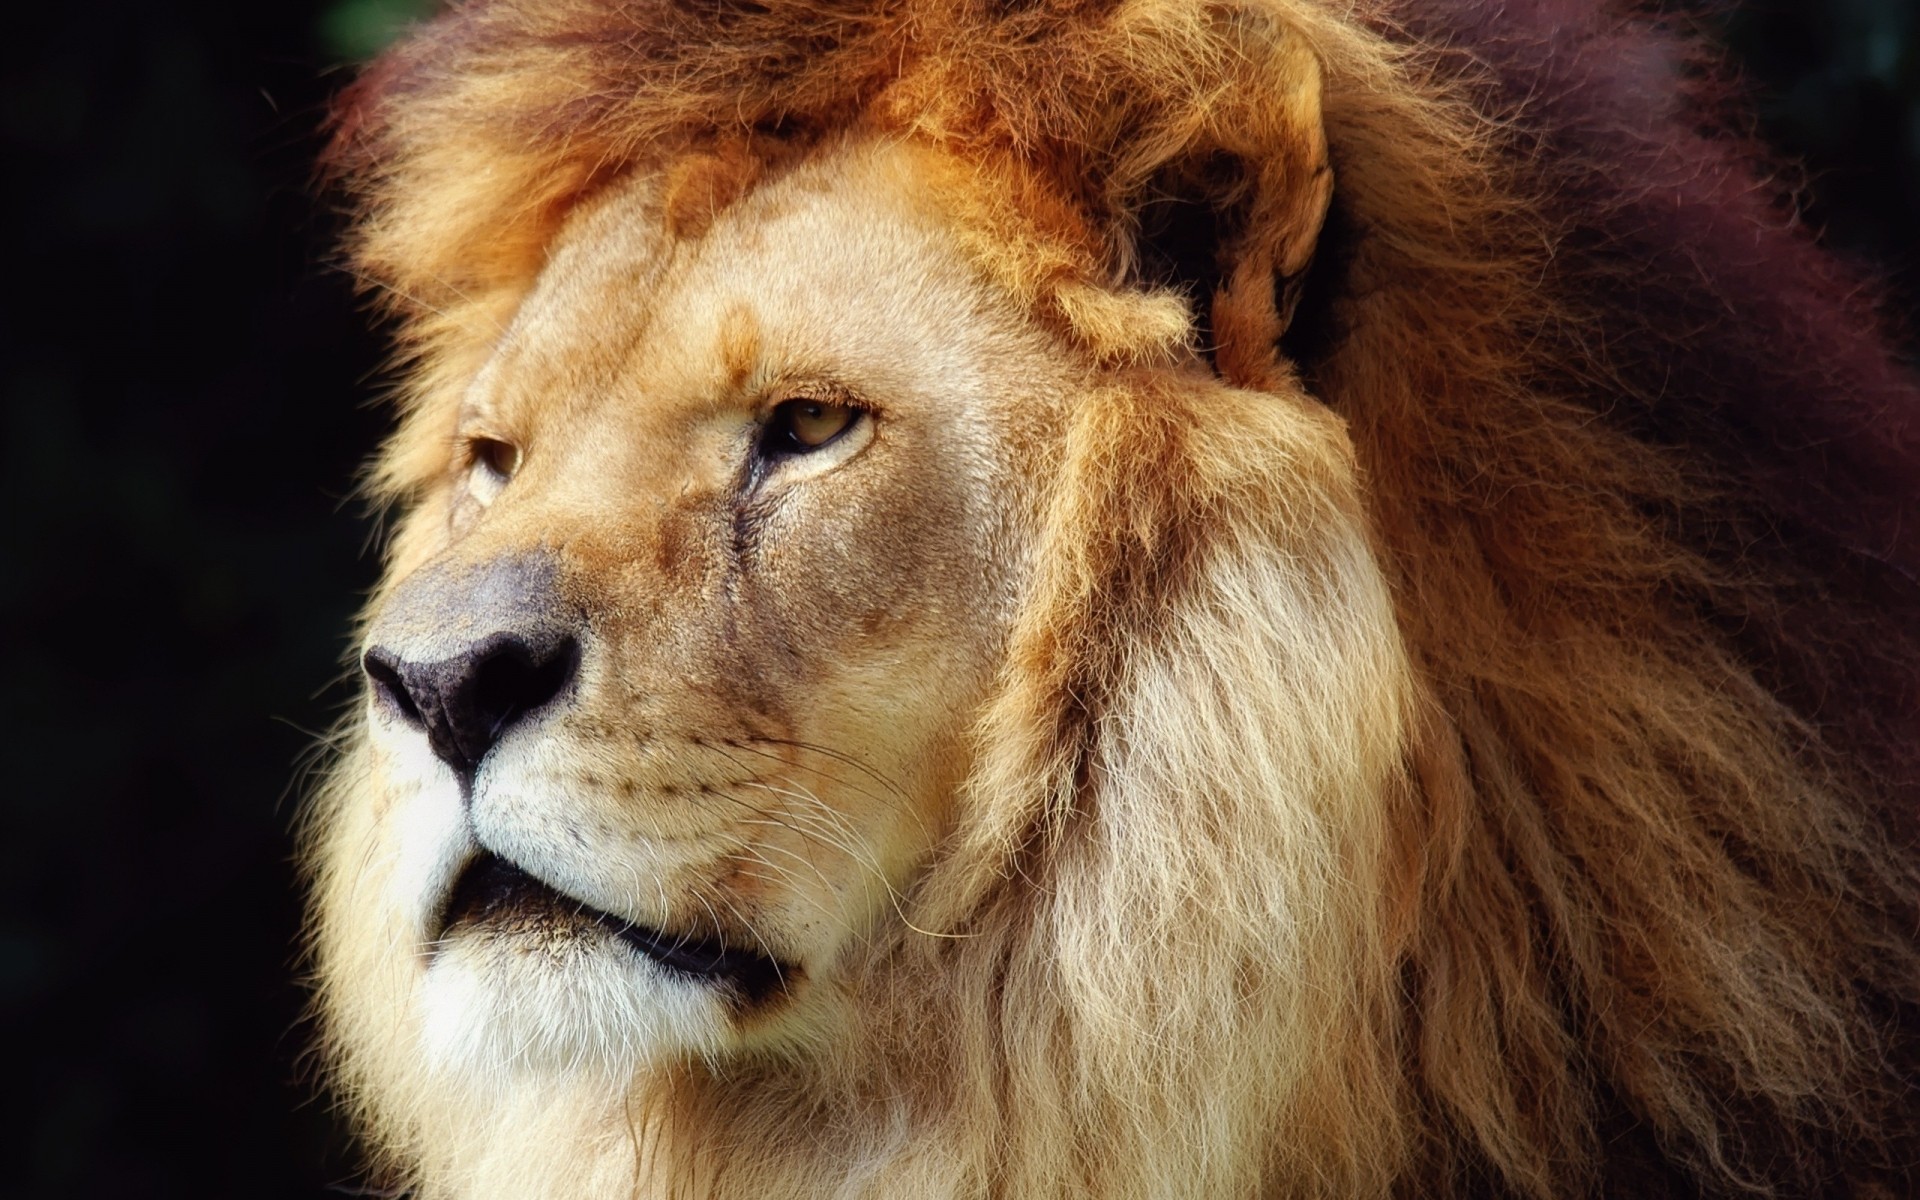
(749,522)
(748,506)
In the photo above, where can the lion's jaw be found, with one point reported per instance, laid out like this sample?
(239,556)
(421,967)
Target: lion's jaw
(777,660)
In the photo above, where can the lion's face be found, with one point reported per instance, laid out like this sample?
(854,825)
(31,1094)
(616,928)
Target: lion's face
(671,686)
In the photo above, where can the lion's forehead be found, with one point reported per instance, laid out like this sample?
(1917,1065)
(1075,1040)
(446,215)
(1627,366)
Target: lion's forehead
(773,288)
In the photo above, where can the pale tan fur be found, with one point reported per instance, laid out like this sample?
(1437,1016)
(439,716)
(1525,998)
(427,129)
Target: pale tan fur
(1194,786)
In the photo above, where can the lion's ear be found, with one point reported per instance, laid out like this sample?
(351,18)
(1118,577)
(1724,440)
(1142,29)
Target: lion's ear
(1221,185)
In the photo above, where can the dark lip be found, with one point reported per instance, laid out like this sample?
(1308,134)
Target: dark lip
(491,887)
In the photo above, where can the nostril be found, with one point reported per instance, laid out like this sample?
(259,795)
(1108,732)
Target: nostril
(383,670)
(517,678)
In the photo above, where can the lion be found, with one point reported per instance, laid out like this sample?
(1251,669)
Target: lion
(1117,598)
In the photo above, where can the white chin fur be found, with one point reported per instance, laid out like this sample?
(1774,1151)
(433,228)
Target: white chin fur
(491,1009)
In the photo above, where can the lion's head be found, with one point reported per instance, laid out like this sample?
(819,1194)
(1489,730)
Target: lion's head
(1065,600)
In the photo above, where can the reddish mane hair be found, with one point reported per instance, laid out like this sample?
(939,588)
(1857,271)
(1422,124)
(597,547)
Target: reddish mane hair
(1761,355)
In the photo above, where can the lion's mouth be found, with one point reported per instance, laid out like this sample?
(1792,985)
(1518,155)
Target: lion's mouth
(494,894)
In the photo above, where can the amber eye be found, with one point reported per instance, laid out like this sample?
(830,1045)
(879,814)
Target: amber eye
(499,459)
(800,426)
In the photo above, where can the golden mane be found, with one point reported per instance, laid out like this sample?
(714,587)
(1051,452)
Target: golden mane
(1643,920)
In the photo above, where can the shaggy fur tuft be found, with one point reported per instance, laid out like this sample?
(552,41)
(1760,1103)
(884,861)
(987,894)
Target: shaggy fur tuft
(1628,905)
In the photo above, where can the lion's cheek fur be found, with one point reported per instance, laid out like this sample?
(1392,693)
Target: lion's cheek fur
(1215,892)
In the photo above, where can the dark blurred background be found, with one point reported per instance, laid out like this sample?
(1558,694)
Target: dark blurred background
(189,390)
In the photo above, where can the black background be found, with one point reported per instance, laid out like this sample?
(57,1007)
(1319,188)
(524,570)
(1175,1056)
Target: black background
(189,391)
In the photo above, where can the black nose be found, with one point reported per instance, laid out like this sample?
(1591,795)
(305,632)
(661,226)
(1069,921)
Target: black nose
(468,701)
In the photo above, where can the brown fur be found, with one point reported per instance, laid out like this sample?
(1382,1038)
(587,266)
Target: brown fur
(1617,915)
